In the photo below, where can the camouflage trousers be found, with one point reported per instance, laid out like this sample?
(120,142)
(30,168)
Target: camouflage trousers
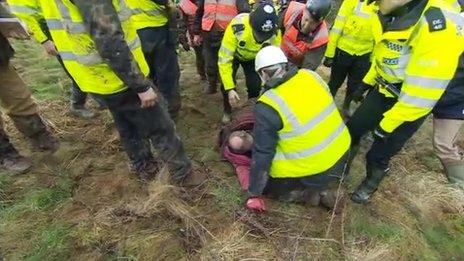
(138,127)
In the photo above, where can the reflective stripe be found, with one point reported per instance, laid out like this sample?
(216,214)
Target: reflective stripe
(137,11)
(91,59)
(417,101)
(223,2)
(67,23)
(310,124)
(358,11)
(225,50)
(284,107)
(223,60)
(425,82)
(134,44)
(54,24)
(336,30)
(292,19)
(455,17)
(309,152)
(340,17)
(23,9)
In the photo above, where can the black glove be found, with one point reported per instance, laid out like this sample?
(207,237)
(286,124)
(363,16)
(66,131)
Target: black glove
(381,134)
(358,94)
(328,62)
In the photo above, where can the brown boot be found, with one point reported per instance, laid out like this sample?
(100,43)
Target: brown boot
(34,128)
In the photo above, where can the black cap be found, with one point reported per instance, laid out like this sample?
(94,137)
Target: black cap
(263,20)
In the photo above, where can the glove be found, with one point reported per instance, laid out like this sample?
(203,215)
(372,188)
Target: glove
(328,62)
(256,204)
(358,94)
(381,134)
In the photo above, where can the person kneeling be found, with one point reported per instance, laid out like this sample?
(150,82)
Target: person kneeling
(301,143)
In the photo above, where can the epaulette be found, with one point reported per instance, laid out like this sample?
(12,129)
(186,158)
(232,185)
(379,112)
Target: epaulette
(238,28)
(436,19)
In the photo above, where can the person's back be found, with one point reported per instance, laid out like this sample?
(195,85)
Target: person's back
(301,143)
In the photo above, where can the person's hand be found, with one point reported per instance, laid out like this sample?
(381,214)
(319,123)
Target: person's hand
(328,62)
(358,94)
(148,98)
(197,39)
(256,204)
(184,42)
(234,98)
(50,48)
(381,134)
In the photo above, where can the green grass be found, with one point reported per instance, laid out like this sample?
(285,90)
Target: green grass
(447,239)
(53,243)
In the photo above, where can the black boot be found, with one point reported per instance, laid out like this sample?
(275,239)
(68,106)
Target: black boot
(211,84)
(33,127)
(10,159)
(367,188)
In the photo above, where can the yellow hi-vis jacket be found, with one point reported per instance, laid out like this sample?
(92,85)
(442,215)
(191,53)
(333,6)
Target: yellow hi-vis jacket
(351,31)
(314,137)
(145,13)
(78,51)
(456,5)
(422,59)
(29,12)
(238,42)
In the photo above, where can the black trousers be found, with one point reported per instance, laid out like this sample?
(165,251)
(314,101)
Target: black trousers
(160,54)
(351,66)
(211,45)
(367,117)
(199,61)
(284,189)
(138,127)
(252,81)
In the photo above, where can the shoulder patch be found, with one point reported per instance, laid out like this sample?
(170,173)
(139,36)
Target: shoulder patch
(436,19)
(238,28)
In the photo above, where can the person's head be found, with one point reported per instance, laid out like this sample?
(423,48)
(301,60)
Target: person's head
(314,13)
(271,63)
(263,21)
(240,142)
(389,6)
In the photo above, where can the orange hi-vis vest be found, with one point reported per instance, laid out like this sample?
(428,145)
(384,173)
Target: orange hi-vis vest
(188,7)
(220,12)
(296,49)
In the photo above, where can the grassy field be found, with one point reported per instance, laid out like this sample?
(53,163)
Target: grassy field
(83,204)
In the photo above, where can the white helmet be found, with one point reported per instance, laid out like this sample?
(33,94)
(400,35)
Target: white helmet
(268,56)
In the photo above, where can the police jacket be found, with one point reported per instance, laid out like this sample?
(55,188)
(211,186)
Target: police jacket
(421,52)
(298,130)
(102,63)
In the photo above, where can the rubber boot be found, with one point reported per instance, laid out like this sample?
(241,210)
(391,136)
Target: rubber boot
(34,128)
(211,84)
(455,173)
(81,112)
(10,159)
(141,158)
(367,188)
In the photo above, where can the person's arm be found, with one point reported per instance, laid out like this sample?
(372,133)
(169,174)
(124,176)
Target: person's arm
(432,66)
(243,6)
(226,56)
(313,58)
(346,9)
(267,125)
(105,29)
(198,17)
(30,13)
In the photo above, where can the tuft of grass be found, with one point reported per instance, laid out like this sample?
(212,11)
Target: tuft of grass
(447,239)
(53,243)
(227,194)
